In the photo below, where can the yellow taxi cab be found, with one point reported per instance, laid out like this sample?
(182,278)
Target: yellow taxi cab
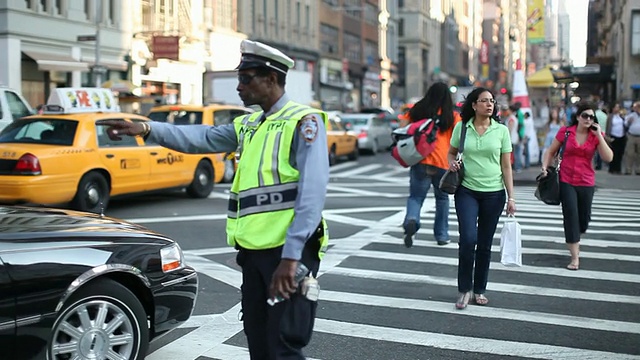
(341,142)
(211,114)
(62,156)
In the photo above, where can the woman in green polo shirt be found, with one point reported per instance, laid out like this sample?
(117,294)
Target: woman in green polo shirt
(481,197)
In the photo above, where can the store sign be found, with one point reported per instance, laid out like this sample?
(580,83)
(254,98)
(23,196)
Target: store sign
(166,47)
(484,52)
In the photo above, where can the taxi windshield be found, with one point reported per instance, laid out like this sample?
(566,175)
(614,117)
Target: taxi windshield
(40,131)
(177,117)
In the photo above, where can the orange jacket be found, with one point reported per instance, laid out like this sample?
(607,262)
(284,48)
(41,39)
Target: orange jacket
(438,157)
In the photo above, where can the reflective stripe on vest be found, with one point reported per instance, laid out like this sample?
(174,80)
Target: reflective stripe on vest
(261,207)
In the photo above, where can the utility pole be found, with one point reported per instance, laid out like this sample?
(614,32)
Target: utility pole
(98,70)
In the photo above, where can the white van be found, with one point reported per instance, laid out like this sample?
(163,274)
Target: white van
(12,107)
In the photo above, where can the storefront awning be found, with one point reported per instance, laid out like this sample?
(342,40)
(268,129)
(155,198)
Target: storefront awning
(56,62)
(541,79)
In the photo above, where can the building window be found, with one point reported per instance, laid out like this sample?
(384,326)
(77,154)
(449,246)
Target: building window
(635,33)
(328,37)
(87,7)
(59,7)
(44,5)
(353,8)
(371,52)
(402,65)
(400,4)
(352,47)
(332,3)
(401,27)
(371,14)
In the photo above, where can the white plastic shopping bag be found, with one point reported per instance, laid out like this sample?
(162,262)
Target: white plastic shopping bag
(511,243)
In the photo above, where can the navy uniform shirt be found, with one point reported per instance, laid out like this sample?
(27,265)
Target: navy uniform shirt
(309,158)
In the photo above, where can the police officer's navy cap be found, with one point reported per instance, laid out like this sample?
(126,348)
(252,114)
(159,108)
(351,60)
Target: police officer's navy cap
(256,54)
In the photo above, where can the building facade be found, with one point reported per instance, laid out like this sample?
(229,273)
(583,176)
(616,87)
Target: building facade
(36,59)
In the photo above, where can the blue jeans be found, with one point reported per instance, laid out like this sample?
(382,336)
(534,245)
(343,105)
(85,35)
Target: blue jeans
(419,183)
(517,156)
(478,214)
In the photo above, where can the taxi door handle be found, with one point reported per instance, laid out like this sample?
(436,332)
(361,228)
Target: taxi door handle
(153,153)
(110,156)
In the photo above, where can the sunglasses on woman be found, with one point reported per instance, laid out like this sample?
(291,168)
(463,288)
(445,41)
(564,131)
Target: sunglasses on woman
(588,116)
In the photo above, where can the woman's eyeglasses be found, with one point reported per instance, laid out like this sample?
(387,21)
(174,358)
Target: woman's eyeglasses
(493,101)
(588,116)
(245,79)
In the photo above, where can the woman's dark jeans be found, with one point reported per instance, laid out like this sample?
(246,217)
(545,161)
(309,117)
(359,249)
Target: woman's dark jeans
(474,246)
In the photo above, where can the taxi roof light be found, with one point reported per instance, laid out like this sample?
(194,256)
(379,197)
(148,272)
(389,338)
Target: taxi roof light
(81,100)
(28,164)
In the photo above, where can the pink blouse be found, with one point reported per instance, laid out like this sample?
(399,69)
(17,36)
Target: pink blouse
(576,168)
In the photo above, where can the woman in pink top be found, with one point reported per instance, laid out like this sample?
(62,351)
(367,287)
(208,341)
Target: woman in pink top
(577,176)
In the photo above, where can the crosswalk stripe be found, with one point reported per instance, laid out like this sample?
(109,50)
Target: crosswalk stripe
(358,170)
(486,312)
(493,286)
(525,250)
(462,343)
(582,274)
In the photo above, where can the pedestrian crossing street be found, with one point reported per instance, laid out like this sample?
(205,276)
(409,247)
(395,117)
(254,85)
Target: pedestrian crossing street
(380,300)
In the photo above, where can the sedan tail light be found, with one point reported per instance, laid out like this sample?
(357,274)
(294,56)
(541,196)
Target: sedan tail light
(28,164)
(362,134)
(172,258)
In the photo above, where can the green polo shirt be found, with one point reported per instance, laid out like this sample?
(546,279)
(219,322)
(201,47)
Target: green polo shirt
(481,156)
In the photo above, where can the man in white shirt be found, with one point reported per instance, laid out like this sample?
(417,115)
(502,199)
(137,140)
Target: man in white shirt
(632,150)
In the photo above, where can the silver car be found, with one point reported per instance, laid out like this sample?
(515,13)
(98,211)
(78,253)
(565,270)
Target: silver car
(374,133)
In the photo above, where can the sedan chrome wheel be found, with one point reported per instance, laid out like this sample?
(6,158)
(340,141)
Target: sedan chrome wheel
(94,330)
(101,320)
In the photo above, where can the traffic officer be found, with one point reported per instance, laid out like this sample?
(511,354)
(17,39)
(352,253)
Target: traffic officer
(276,199)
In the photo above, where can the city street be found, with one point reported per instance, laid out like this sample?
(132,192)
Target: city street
(380,300)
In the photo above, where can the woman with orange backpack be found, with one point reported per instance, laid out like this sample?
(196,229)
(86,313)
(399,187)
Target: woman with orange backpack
(436,104)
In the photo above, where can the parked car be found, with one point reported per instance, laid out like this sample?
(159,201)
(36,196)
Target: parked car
(81,286)
(12,107)
(373,132)
(340,141)
(62,156)
(212,114)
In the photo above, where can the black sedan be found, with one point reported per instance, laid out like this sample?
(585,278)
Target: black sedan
(81,286)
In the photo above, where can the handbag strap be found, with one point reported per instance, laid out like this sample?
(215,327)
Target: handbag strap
(463,136)
(561,151)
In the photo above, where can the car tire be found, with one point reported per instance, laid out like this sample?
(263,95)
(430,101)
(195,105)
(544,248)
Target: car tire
(333,158)
(91,312)
(354,155)
(92,194)
(229,170)
(202,183)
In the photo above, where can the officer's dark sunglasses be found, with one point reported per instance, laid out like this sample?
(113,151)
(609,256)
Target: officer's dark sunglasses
(245,79)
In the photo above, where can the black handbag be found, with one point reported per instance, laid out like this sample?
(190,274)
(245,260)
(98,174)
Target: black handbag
(548,189)
(451,180)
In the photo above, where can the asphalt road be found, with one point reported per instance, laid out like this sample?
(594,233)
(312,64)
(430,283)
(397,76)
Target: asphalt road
(380,300)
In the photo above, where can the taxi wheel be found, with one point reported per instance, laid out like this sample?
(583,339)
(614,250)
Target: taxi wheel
(93,193)
(229,170)
(354,155)
(202,183)
(333,158)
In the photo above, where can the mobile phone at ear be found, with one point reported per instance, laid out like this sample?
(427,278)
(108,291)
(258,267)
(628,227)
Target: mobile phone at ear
(593,127)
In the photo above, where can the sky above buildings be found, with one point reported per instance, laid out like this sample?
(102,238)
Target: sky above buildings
(578,23)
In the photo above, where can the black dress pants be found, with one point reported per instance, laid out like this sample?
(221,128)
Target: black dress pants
(576,210)
(276,332)
(617,145)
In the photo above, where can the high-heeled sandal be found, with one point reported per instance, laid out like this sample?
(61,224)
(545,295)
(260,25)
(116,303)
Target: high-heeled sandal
(463,300)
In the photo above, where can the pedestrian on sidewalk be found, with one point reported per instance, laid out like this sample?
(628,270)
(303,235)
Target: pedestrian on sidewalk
(632,148)
(512,124)
(617,133)
(577,175)
(436,104)
(480,199)
(276,199)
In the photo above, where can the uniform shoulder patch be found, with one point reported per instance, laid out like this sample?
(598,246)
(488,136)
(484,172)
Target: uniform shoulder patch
(308,128)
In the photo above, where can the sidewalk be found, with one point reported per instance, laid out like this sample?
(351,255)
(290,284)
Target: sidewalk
(604,180)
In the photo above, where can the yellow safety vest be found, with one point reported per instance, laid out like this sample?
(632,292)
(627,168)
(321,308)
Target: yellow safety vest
(265,186)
